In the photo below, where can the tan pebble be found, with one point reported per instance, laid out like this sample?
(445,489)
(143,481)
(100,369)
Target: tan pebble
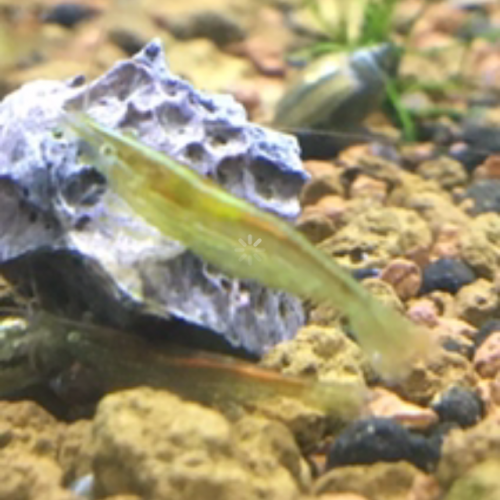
(478,252)
(445,303)
(495,390)
(377,168)
(148,442)
(423,312)
(425,488)
(468,205)
(443,370)
(446,171)
(436,209)
(341,496)
(379,481)
(367,187)
(389,405)
(123,497)
(25,476)
(384,293)
(487,357)
(74,454)
(404,276)
(463,449)
(453,330)
(376,235)
(353,154)
(457,327)
(447,242)
(27,427)
(477,302)
(481,482)
(414,154)
(489,392)
(319,168)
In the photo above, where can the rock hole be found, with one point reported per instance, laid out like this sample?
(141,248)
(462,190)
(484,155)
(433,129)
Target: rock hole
(218,140)
(260,301)
(226,284)
(194,152)
(283,309)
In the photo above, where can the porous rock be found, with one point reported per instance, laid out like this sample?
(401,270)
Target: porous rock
(152,444)
(58,217)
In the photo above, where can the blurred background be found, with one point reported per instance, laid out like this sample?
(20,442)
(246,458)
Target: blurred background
(413,70)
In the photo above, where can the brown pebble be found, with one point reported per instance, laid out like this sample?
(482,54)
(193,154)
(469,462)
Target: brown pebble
(389,405)
(404,276)
(315,225)
(487,357)
(321,186)
(332,206)
(266,58)
(490,169)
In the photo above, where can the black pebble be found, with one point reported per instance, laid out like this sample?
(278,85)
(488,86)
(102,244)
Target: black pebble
(448,275)
(361,274)
(68,14)
(487,328)
(374,440)
(459,405)
(486,196)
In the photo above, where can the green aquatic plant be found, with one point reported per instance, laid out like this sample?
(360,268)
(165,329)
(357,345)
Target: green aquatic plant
(197,212)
